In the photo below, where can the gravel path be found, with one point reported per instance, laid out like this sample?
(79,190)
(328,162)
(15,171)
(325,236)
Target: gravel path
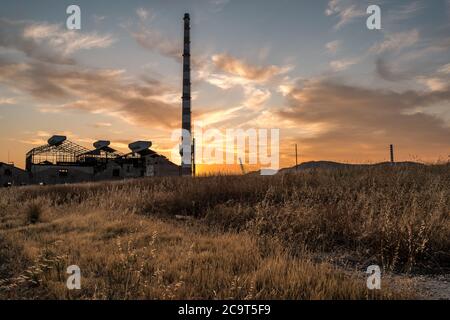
(433,287)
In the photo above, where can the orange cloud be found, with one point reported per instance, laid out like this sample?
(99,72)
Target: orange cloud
(361,122)
(48,42)
(51,76)
(77,88)
(245,70)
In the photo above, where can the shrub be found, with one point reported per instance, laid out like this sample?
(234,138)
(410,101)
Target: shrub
(34,212)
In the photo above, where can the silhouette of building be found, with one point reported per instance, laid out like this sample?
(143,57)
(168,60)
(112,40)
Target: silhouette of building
(10,175)
(63,161)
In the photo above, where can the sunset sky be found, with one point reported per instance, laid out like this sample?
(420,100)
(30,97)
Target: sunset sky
(310,68)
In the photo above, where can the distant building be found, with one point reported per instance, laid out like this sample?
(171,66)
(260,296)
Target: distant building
(62,161)
(12,176)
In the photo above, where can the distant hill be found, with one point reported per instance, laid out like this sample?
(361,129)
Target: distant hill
(338,165)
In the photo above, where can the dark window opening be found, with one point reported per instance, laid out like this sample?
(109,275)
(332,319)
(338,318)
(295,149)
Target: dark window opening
(63,173)
(116,173)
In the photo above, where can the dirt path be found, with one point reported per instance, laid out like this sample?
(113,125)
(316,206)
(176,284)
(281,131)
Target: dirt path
(433,287)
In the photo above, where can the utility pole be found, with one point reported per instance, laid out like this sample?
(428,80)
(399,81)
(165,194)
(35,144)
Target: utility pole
(296,158)
(242,166)
(193,157)
(392,153)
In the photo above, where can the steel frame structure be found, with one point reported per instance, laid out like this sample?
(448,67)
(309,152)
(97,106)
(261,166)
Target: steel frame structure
(63,153)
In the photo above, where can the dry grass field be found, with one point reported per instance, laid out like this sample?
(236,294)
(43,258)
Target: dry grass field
(308,235)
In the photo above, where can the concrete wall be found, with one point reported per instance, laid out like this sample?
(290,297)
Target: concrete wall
(113,171)
(49,174)
(148,166)
(161,167)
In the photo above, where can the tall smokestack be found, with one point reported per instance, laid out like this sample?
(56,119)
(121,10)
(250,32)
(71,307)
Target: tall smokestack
(186,144)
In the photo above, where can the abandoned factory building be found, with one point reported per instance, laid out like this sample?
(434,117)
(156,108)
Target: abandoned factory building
(62,161)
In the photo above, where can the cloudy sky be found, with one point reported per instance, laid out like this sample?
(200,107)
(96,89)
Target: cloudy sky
(310,68)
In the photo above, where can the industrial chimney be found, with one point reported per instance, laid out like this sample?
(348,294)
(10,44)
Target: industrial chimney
(186,144)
